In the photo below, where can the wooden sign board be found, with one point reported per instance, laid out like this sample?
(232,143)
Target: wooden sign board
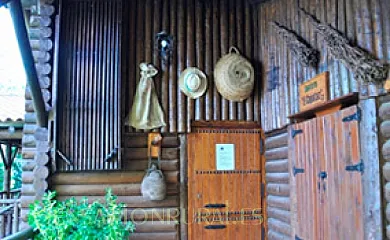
(314,92)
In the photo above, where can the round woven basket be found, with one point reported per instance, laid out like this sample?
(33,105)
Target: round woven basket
(234,76)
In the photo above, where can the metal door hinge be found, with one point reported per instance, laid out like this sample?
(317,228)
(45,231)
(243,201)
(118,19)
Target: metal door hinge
(263,232)
(357,116)
(295,132)
(322,175)
(298,170)
(262,146)
(262,190)
(356,168)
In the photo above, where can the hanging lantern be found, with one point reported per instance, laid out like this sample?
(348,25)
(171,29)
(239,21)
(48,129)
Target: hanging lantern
(164,46)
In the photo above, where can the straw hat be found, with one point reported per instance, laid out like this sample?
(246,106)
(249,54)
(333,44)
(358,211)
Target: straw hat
(193,82)
(234,76)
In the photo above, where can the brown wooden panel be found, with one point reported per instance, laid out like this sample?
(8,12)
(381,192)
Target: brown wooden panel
(239,189)
(328,198)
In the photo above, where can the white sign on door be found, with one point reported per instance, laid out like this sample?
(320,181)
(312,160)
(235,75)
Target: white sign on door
(225,156)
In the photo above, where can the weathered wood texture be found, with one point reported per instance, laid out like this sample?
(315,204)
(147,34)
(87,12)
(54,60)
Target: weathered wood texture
(384,146)
(239,189)
(278,185)
(327,191)
(35,173)
(153,218)
(202,32)
(89,85)
(366,23)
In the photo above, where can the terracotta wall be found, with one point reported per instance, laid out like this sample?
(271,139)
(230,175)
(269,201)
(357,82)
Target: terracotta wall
(365,22)
(203,31)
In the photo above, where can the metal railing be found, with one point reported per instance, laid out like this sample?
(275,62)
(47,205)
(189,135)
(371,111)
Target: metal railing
(9,216)
(15,193)
(9,212)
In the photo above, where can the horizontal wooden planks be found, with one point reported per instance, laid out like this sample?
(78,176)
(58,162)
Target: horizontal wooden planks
(278,185)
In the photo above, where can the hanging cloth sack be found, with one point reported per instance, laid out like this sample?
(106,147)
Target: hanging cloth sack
(146,112)
(153,186)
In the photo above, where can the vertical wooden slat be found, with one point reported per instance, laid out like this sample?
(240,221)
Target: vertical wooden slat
(240,23)
(190,57)
(165,73)
(224,33)
(249,52)
(87,80)
(118,86)
(200,53)
(208,40)
(173,94)
(91,121)
(232,42)
(182,103)
(218,30)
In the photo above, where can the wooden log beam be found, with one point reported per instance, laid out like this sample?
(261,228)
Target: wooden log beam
(385,129)
(137,140)
(141,165)
(28,61)
(116,177)
(123,189)
(277,141)
(279,202)
(386,171)
(134,201)
(27,177)
(384,111)
(279,214)
(278,189)
(276,153)
(152,214)
(386,150)
(155,235)
(277,177)
(279,226)
(142,153)
(277,166)
(274,235)
(387,212)
(155,226)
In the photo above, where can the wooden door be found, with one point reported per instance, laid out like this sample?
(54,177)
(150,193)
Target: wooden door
(225,204)
(326,172)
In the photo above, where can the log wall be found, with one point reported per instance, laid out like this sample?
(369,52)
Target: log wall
(203,31)
(154,219)
(35,170)
(384,130)
(278,185)
(365,22)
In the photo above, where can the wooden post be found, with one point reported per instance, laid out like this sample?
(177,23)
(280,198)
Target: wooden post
(28,61)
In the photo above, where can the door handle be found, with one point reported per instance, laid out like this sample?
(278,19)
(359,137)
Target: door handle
(214,227)
(215,205)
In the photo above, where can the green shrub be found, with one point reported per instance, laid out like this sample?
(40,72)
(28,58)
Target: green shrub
(78,220)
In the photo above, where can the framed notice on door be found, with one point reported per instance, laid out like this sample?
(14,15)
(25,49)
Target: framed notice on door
(225,157)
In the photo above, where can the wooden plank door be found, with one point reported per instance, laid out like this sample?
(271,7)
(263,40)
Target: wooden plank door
(341,190)
(225,204)
(304,178)
(326,177)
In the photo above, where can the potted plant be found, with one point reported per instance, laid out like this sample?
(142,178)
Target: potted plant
(79,220)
